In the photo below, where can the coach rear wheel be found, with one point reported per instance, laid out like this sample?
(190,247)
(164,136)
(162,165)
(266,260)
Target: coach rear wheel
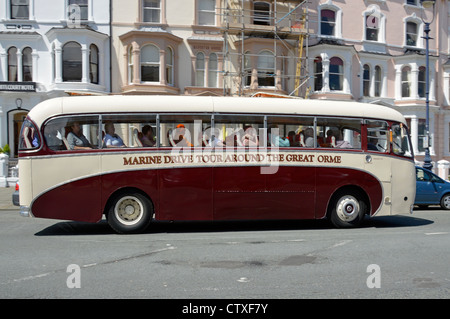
(130,213)
(347,210)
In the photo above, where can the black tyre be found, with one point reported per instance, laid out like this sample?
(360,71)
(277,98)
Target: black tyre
(347,209)
(130,213)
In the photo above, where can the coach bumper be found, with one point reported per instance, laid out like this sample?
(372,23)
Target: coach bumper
(25,211)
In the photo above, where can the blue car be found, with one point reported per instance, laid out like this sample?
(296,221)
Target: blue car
(431,189)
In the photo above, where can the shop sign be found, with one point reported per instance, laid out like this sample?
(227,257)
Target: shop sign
(17,86)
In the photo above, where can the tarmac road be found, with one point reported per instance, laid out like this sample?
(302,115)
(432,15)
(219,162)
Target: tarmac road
(388,257)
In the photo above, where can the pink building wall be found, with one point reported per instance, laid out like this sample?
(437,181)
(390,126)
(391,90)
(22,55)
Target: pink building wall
(391,52)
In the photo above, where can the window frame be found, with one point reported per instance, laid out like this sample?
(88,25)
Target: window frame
(318,73)
(152,64)
(421,82)
(266,74)
(378,81)
(11,10)
(366,80)
(157,9)
(84,8)
(202,12)
(332,25)
(213,71)
(94,71)
(338,75)
(13,67)
(412,39)
(406,81)
(169,67)
(27,64)
(200,69)
(77,62)
(262,16)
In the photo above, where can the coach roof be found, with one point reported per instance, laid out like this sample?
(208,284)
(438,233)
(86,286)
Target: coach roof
(194,104)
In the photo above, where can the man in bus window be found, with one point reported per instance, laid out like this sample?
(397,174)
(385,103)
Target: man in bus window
(148,138)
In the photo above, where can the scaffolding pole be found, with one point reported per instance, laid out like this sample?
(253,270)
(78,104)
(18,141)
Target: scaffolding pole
(240,24)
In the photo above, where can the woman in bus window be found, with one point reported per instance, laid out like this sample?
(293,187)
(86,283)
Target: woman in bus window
(111,138)
(76,139)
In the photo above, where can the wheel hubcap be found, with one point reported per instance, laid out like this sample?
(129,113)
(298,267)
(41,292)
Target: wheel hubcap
(128,210)
(348,208)
(447,202)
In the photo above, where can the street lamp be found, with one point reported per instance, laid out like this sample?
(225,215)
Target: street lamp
(426,4)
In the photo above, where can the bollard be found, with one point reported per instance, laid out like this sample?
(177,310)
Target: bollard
(4,160)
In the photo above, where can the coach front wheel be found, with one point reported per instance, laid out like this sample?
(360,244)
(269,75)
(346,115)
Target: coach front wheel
(347,210)
(130,213)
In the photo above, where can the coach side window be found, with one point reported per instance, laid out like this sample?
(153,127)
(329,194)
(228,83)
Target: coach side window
(400,140)
(377,136)
(129,130)
(54,134)
(29,137)
(290,131)
(240,130)
(72,133)
(339,133)
(183,131)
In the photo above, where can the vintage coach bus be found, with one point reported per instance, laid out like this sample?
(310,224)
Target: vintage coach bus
(135,159)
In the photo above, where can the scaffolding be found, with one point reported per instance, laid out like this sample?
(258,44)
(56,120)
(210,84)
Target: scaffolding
(249,29)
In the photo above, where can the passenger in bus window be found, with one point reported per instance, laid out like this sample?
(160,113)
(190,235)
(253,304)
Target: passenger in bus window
(75,138)
(51,133)
(275,139)
(335,139)
(250,137)
(111,139)
(212,138)
(179,137)
(234,137)
(148,136)
(373,145)
(341,143)
(309,137)
(331,138)
(293,139)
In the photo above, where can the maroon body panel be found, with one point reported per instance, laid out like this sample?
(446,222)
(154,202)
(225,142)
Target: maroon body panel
(245,193)
(219,193)
(185,194)
(79,200)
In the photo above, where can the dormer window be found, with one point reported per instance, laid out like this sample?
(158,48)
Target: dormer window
(327,22)
(151,11)
(20,9)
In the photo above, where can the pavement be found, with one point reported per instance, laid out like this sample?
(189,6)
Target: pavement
(6,198)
